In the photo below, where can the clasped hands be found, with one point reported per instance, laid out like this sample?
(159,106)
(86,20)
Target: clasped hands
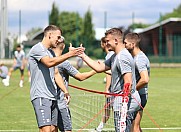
(77,51)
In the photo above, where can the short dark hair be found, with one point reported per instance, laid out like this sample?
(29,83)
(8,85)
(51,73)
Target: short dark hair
(103,39)
(133,37)
(115,32)
(51,28)
(18,46)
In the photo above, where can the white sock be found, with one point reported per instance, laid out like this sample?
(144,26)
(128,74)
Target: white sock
(21,81)
(8,77)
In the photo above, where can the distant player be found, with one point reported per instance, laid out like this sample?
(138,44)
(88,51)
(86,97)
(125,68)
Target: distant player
(66,70)
(132,42)
(107,88)
(79,62)
(3,73)
(19,63)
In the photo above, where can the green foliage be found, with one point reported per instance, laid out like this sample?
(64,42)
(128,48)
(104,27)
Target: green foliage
(98,53)
(54,14)
(175,13)
(88,32)
(138,25)
(71,24)
(76,30)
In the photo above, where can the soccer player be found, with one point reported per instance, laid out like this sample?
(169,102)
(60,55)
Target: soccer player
(79,62)
(123,72)
(45,76)
(19,63)
(3,73)
(66,70)
(142,65)
(107,88)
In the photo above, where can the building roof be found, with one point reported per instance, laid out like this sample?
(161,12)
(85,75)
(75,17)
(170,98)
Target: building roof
(158,25)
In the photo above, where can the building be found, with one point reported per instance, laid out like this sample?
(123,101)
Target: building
(162,39)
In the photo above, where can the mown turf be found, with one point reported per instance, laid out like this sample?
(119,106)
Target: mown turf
(16,111)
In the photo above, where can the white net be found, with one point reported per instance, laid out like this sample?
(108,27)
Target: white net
(88,110)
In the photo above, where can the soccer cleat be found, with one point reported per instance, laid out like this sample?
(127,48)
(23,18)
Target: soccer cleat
(98,129)
(5,82)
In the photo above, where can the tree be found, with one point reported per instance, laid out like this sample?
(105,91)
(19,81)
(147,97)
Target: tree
(54,15)
(176,13)
(88,32)
(138,25)
(71,25)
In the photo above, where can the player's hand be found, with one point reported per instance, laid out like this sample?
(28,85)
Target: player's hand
(67,97)
(70,47)
(76,51)
(107,96)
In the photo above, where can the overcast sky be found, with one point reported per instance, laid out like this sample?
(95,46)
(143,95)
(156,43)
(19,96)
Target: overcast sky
(34,13)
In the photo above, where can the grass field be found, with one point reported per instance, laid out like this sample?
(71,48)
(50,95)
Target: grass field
(16,112)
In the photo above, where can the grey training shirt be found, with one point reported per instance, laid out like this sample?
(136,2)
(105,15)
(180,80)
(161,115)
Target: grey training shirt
(65,70)
(141,64)
(19,56)
(120,64)
(42,77)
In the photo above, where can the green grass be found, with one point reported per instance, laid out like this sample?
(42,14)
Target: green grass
(16,111)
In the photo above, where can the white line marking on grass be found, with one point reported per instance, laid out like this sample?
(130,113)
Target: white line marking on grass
(17,130)
(112,129)
(166,128)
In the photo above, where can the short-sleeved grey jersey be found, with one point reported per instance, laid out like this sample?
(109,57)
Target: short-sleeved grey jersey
(109,54)
(42,77)
(19,56)
(65,69)
(141,64)
(120,64)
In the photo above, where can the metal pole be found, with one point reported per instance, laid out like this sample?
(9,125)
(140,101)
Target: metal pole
(105,20)
(160,36)
(76,30)
(20,26)
(3,27)
(133,21)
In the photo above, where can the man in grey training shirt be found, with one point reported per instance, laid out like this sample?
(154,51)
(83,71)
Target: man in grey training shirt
(123,72)
(44,75)
(19,63)
(66,70)
(142,65)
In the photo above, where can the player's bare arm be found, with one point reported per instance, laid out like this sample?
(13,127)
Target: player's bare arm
(128,79)
(50,62)
(143,80)
(82,76)
(97,66)
(108,83)
(108,72)
(59,81)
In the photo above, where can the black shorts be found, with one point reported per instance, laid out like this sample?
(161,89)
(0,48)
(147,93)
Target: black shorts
(144,98)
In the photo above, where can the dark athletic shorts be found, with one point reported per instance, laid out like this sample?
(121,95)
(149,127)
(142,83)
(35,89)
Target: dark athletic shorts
(45,111)
(64,119)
